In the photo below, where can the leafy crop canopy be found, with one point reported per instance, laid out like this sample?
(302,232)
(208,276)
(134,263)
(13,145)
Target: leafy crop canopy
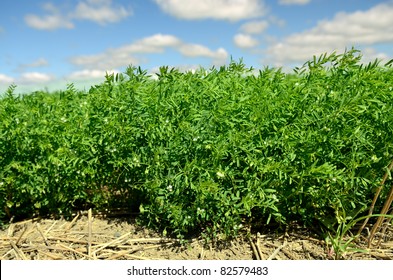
(209,151)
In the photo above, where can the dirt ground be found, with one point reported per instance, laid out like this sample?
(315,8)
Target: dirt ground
(92,237)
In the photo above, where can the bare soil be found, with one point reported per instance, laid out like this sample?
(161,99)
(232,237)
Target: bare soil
(118,238)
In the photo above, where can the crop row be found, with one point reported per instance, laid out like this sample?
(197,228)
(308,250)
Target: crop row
(211,151)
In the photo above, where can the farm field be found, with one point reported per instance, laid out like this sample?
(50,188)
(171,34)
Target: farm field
(217,155)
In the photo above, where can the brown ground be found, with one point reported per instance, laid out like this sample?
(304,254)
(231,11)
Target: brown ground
(120,238)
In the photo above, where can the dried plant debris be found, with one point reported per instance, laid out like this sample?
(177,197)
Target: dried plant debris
(122,239)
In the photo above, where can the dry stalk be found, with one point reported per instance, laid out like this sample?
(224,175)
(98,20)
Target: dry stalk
(381,256)
(10,231)
(132,251)
(379,189)
(49,229)
(259,249)
(155,240)
(254,250)
(52,256)
(73,250)
(20,236)
(274,255)
(8,238)
(382,217)
(19,253)
(117,240)
(6,254)
(383,232)
(42,234)
(69,226)
(139,258)
(97,244)
(90,233)
(71,240)
(288,254)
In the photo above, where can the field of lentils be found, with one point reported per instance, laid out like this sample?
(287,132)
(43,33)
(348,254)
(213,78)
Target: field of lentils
(209,152)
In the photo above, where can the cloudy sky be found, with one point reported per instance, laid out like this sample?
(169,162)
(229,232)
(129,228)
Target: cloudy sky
(49,43)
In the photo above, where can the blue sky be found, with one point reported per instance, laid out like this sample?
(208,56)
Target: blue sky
(49,43)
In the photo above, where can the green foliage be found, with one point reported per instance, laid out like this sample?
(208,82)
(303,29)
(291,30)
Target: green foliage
(209,151)
(343,240)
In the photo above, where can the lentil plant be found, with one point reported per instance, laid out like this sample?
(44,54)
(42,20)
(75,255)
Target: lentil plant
(206,152)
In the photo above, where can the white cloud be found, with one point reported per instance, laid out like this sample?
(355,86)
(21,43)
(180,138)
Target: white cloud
(361,28)
(53,20)
(6,79)
(37,63)
(154,44)
(276,21)
(110,59)
(158,43)
(98,11)
(370,54)
(244,41)
(126,55)
(293,2)
(194,50)
(49,22)
(232,10)
(35,78)
(88,74)
(254,27)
